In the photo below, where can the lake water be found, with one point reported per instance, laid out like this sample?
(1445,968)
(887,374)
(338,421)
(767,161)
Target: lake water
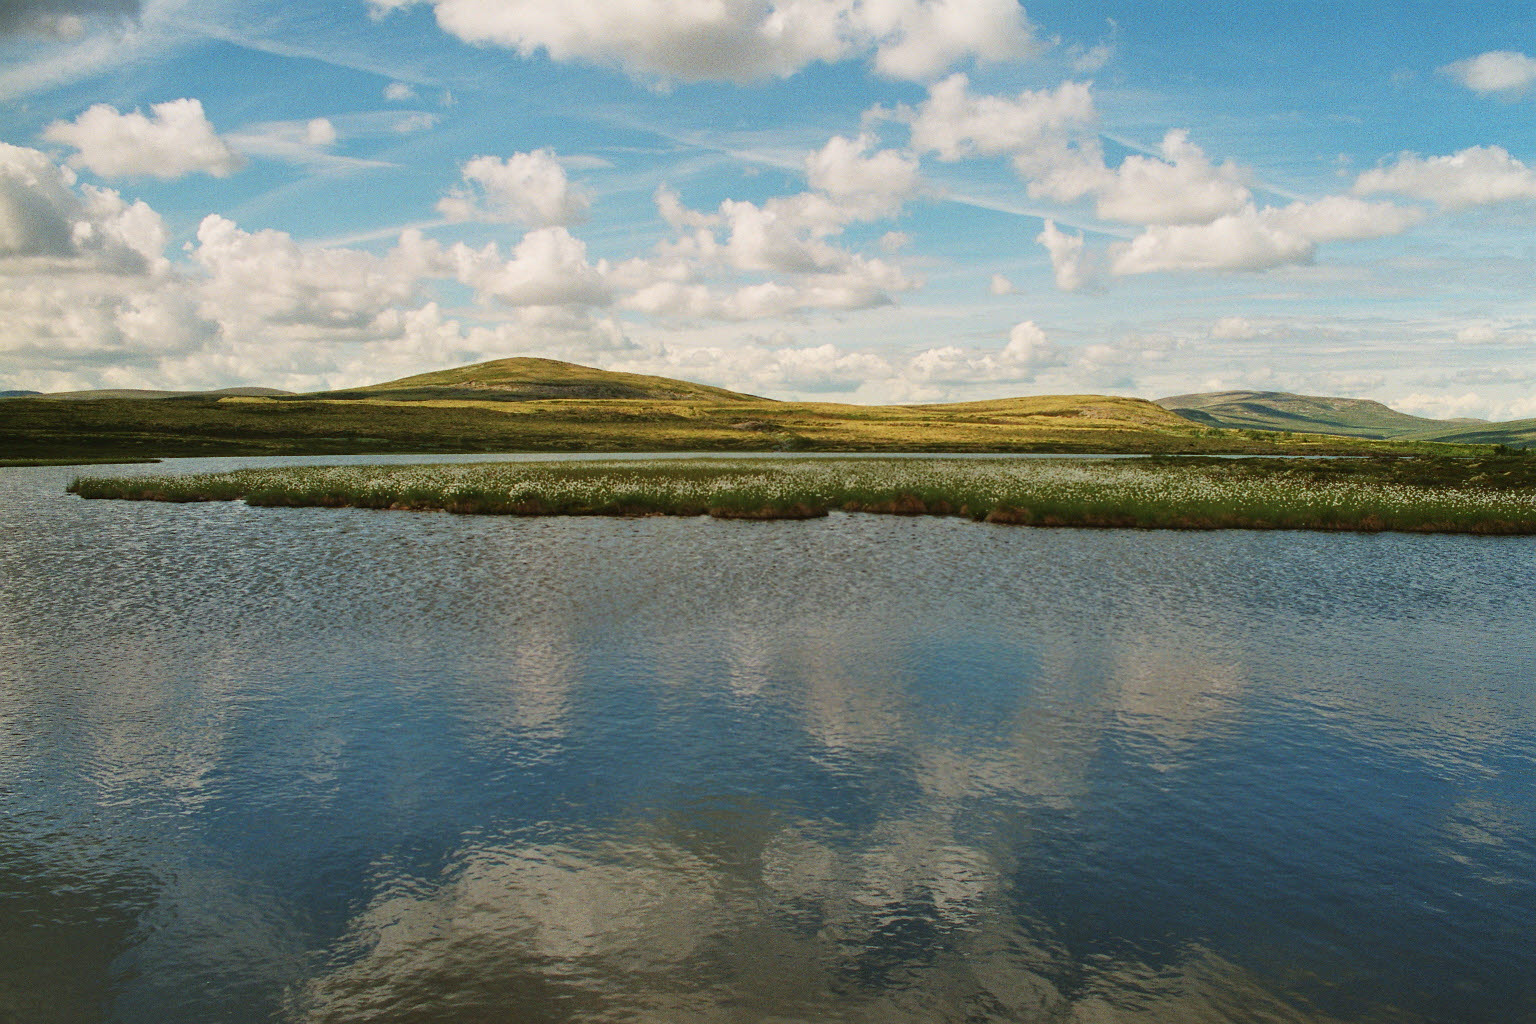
(341,765)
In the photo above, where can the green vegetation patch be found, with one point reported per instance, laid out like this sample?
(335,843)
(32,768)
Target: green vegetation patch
(1493,495)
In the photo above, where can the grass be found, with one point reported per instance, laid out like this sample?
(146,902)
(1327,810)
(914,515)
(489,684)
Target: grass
(12,463)
(1492,496)
(107,429)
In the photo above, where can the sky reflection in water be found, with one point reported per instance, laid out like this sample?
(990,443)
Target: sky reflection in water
(326,765)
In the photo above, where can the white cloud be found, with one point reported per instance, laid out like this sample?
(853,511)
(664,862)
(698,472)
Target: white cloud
(1475,176)
(1050,137)
(1000,285)
(1068,261)
(1093,59)
(1026,353)
(265,277)
(1477,334)
(1255,239)
(1241,241)
(747,41)
(1498,71)
(1342,218)
(1234,328)
(771,366)
(320,132)
(785,236)
(47,224)
(176,139)
(414,123)
(918,39)
(1028,349)
(955,124)
(874,185)
(1182,188)
(526,188)
(865,284)
(399,92)
(548,267)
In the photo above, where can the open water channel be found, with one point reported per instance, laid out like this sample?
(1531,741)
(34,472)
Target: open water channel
(342,765)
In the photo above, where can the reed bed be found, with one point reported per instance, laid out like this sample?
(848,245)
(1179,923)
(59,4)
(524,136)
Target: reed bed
(1416,495)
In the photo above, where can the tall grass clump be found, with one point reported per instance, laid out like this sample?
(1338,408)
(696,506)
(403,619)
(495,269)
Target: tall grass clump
(1428,495)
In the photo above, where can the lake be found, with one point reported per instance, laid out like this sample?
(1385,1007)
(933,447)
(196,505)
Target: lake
(342,765)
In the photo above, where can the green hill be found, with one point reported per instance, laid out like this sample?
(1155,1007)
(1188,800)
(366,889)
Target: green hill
(523,404)
(1511,433)
(1278,410)
(524,379)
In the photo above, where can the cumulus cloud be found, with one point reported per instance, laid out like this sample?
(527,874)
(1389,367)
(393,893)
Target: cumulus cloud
(865,284)
(47,223)
(777,364)
(1184,187)
(174,140)
(525,188)
(1049,136)
(873,185)
(1000,285)
(1476,176)
(1028,348)
(954,124)
(1255,239)
(60,18)
(1027,352)
(785,236)
(1342,219)
(266,276)
(917,39)
(1505,72)
(1069,263)
(742,42)
(548,267)
(1241,241)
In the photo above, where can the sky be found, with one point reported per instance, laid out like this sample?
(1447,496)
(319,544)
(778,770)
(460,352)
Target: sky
(837,200)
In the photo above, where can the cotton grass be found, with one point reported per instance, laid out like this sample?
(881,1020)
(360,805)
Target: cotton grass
(1441,495)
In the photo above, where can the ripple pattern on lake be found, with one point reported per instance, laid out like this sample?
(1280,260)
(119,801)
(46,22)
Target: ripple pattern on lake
(337,765)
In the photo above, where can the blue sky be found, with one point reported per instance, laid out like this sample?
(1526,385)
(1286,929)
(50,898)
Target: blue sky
(848,200)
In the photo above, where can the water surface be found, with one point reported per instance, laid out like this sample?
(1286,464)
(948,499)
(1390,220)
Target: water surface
(336,765)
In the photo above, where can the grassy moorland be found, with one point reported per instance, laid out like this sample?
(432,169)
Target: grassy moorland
(1493,495)
(541,405)
(35,428)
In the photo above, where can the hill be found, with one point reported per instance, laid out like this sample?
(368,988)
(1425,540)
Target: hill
(524,379)
(1510,433)
(1279,410)
(543,405)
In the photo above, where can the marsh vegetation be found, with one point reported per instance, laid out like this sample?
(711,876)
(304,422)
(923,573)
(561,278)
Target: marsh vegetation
(1493,495)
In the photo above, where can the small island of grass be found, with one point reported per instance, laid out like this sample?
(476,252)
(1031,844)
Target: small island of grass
(1495,495)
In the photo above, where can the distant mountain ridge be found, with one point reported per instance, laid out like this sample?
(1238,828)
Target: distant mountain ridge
(529,379)
(147,393)
(1313,414)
